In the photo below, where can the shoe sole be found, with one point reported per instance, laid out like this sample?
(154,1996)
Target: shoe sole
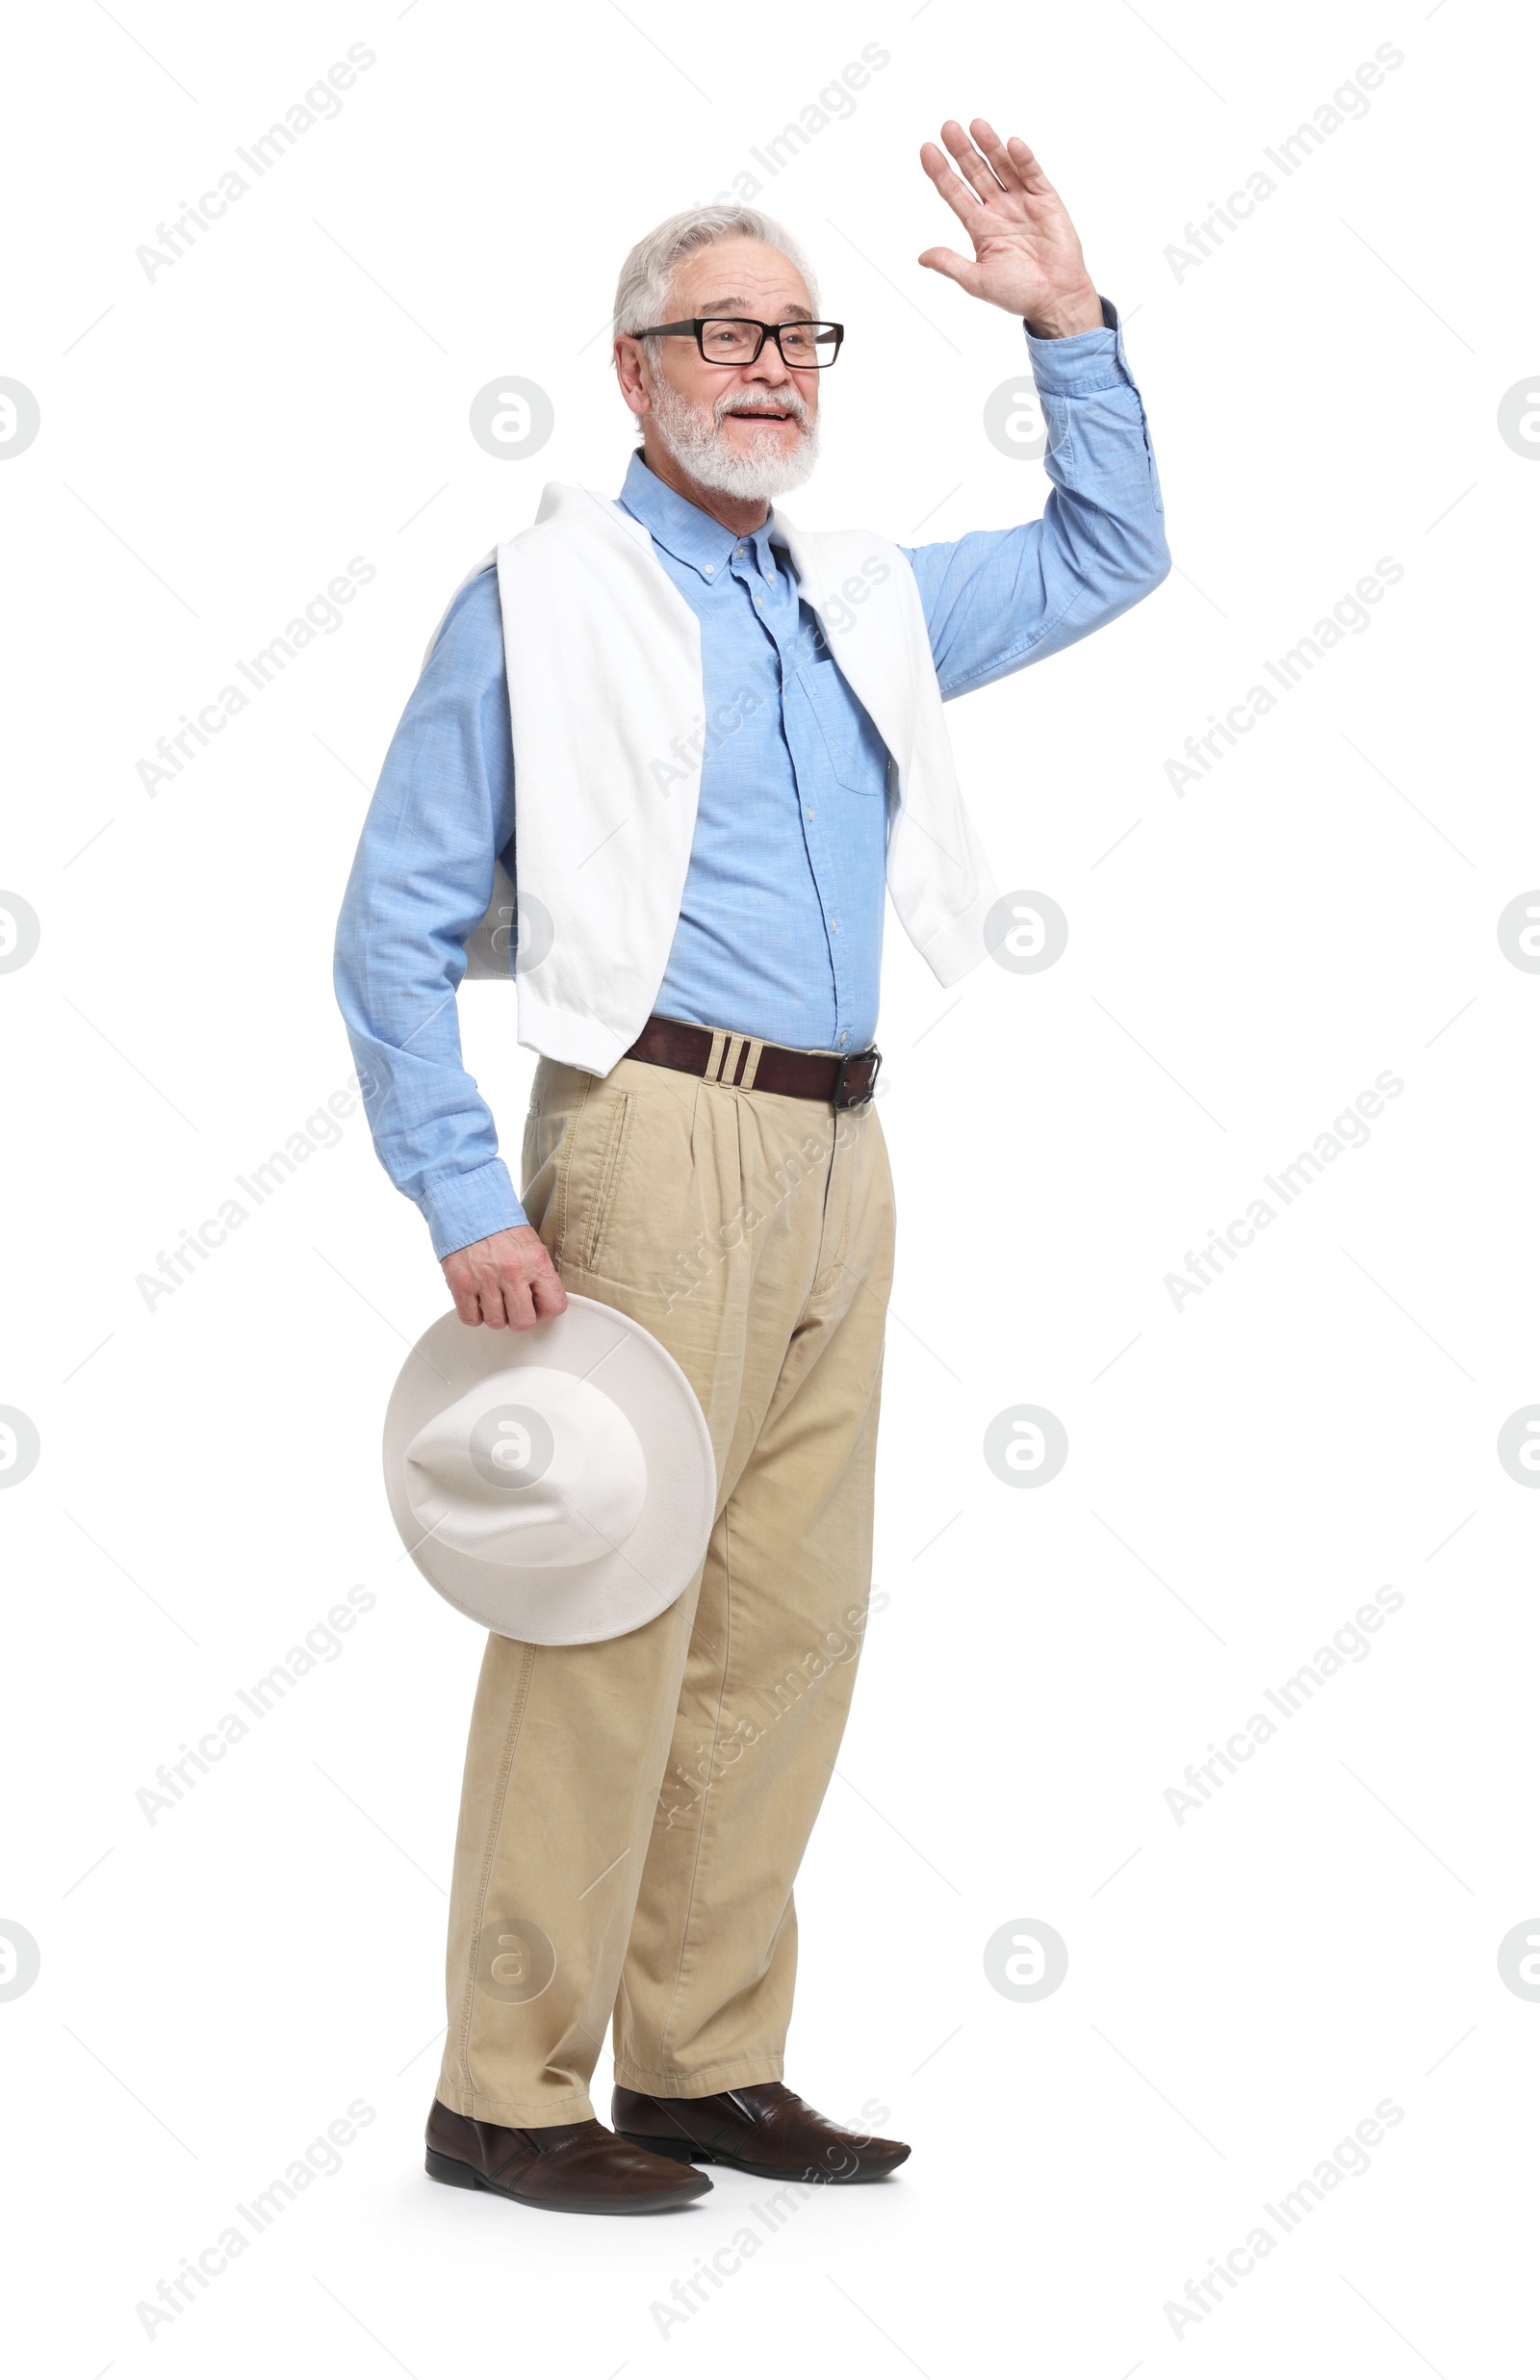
(685,2152)
(461,2177)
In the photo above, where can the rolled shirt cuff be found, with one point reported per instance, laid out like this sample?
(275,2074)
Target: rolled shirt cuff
(461,1207)
(1081,365)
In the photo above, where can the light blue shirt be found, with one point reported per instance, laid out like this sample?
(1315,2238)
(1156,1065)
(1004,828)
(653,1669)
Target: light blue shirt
(780,924)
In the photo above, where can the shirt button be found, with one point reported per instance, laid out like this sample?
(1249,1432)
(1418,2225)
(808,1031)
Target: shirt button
(709,568)
(759,600)
(812,813)
(843,1038)
(742,549)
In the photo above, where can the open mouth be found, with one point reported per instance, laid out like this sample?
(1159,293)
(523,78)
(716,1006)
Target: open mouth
(757,413)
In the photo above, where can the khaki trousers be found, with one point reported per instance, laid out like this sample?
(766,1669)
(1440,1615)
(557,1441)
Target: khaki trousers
(634,1812)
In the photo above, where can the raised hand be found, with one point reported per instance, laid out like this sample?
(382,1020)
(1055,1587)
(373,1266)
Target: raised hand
(1026,253)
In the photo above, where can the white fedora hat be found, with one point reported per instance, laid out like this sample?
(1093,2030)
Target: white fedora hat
(556,1485)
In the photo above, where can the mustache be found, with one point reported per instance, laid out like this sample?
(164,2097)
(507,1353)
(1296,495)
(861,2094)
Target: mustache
(741,402)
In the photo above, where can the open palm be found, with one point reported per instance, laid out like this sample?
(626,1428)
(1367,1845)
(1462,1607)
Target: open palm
(1026,252)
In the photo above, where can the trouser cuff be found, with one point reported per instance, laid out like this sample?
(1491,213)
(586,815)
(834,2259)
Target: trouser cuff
(482,2108)
(667,2084)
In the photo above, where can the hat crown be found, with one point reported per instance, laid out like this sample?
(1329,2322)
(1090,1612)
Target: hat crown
(531,1468)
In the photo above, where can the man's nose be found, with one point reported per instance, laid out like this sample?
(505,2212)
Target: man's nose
(769,366)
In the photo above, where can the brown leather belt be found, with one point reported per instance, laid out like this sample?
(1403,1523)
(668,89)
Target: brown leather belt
(723,1057)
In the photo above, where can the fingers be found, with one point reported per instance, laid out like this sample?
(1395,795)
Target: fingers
(1012,159)
(507,1282)
(959,196)
(955,267)
(549,1296)
(974,167)
(1031,175)
(518,1305)
(984,165)
(515,1296)
(479,1297)
(991,164)
(467,1303)
(1004,160)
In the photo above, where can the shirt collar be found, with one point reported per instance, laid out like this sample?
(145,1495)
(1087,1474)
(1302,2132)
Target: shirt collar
(681,529)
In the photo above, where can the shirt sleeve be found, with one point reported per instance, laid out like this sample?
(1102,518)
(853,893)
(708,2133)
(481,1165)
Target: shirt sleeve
(998,599)
(441,816)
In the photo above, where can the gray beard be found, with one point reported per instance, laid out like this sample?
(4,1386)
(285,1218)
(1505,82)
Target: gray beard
(694,437)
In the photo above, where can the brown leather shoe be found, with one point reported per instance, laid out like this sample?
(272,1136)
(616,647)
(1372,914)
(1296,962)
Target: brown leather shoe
(575,2168)
(763,2128)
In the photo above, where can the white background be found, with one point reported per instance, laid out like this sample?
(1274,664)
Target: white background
(1243,1472)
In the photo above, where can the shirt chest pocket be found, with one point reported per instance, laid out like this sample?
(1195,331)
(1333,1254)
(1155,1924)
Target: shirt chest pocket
(855,752)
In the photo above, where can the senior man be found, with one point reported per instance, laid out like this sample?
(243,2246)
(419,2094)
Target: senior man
(700,928)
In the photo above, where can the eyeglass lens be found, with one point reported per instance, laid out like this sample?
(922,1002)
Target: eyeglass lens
(728,341)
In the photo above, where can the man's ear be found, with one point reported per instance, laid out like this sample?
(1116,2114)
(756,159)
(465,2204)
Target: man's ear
(629,367)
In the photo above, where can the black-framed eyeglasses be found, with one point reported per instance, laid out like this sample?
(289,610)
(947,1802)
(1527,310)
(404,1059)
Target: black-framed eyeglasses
(730,339)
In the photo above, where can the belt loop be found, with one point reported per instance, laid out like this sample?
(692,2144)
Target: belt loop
(712,1072)
(749,1072)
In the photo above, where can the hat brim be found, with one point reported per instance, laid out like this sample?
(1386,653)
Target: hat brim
(630,1584)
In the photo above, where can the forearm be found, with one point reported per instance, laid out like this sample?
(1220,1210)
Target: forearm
(1000,599)
(432,1131)
(420,885)
(1103,529)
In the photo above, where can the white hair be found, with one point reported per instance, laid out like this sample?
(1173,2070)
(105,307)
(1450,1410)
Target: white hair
(647,276)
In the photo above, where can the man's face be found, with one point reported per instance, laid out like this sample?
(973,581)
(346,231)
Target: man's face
(751,430)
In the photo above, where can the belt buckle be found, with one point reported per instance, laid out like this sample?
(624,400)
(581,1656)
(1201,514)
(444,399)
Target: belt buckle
(872,1058)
